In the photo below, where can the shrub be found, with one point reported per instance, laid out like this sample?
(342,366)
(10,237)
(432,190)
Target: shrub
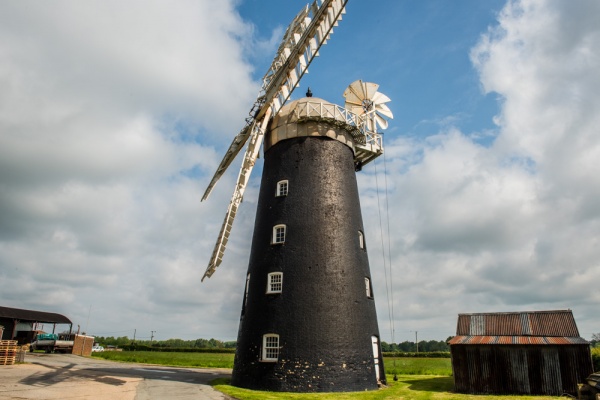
(596,358)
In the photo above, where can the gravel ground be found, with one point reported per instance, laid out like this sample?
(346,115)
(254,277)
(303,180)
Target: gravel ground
(67,376)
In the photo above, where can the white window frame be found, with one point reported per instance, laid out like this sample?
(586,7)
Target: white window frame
(274,282)
(376,353)
(368,288)
(361,240)
(279,238)
(282,188)
(270,348)
(247,286)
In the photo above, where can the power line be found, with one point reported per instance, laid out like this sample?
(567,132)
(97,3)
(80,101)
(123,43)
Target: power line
(387,216)
(387,286)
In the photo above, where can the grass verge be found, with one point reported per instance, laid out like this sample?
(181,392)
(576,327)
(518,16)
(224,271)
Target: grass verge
(408,387)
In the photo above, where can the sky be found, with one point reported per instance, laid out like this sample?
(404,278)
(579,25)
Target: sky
(114,116)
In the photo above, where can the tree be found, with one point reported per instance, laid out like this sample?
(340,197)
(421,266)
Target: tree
(595,339)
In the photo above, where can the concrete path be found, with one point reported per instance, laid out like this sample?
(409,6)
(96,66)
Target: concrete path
(66,376)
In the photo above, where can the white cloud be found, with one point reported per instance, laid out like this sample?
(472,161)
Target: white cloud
(515,225)
(106,113)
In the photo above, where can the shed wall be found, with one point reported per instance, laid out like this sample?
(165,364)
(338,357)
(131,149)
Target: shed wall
(520,369)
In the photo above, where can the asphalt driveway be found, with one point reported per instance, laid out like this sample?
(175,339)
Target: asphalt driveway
(67,376)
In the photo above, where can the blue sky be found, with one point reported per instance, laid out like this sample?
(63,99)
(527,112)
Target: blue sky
(113,118)
(417,51)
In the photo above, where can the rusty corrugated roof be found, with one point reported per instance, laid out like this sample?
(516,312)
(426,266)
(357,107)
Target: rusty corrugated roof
(559,323)
(521,340)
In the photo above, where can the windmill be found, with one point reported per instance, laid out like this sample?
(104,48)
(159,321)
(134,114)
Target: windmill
(315,330)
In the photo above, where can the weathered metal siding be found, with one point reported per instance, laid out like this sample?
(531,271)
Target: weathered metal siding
(504,324)
(553,324)
(541,340)
(538,323)
(519,369)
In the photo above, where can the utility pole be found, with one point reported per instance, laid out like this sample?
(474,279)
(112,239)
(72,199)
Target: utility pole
(151,337)
(417,340)
(88,320)
(134,331)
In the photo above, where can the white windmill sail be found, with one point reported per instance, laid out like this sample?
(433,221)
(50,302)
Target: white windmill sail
(309,30)
(364,101)
(362,98)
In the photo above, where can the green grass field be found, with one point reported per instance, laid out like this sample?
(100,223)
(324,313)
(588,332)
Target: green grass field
(393,365)
(418,378)
(417,366)
(408,387)
(199,360)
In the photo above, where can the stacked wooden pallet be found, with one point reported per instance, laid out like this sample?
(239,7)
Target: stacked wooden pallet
(8,352)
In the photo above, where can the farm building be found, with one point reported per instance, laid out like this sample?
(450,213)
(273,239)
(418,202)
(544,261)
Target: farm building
(538,353)
(22,324)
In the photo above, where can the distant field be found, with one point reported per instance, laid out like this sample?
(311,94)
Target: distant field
(417,366)
(393,365)
(205,360)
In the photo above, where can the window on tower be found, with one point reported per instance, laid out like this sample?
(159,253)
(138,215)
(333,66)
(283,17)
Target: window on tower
(246,295)
(246,291)
(270,350)
(361,240)
(278,234)
(274,282)
(282,188)
(368,288)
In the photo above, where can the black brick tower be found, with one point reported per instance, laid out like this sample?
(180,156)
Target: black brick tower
(308,321)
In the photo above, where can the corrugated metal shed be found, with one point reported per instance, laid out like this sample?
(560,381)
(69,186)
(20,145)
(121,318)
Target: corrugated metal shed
(538,352)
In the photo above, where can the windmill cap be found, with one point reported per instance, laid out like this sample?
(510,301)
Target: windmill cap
(308,116)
